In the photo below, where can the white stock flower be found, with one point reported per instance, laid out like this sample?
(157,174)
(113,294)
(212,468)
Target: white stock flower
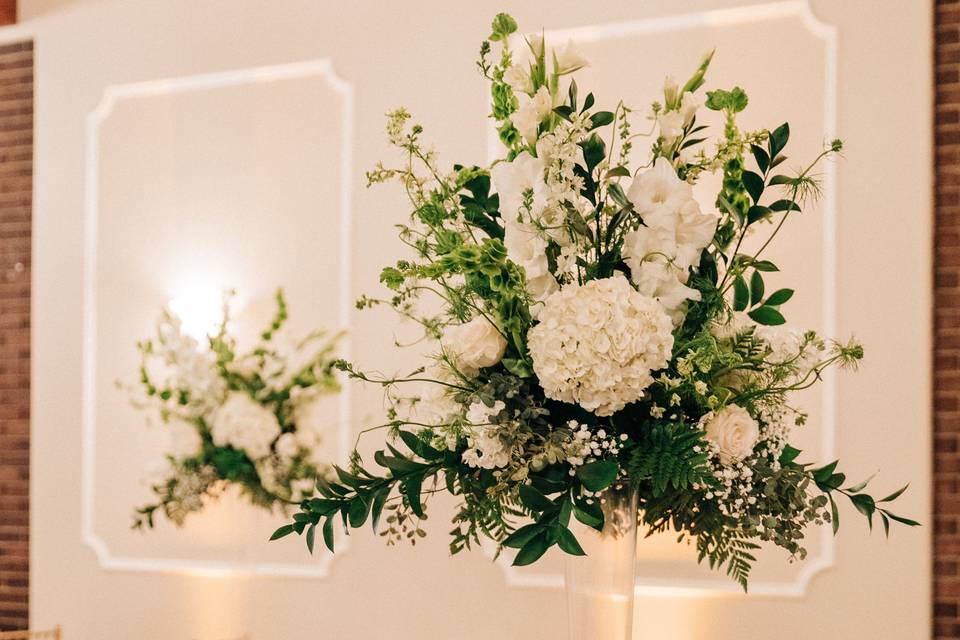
(733,431)
(475,344)
(531,113)
(184,440)
(671,127)
(486,450)
(519,79)
(244,424)
(569,59)
(597,344)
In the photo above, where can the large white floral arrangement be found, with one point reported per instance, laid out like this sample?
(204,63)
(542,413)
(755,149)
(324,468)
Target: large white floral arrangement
(598,326)
(243,418)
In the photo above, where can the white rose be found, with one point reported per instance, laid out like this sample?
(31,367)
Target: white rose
(476,344)
(733,431)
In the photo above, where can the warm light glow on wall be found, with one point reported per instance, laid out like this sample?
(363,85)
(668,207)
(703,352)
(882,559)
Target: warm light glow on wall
(200,308)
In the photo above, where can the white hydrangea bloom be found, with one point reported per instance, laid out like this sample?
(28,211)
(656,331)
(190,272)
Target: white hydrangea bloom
(597,344)
(486,450)
(184,439)
(287,446)
(244,424)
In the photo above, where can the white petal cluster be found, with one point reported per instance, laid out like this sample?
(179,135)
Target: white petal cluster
(486,449)
(597,344)
(674,232)
(243,423)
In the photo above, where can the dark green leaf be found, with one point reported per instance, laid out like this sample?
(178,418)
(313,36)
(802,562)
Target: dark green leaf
(896,494)
(785,205)
(532,550)
(779,297)
(534,500)
(780,179)
(600,119)
(597,476)
(311,536)
(764,265)
(766,316)
(521,536)
(753,183)
(568,542)
(328,533)
(763,160)
(741,294)
(778,139)
(756,288)
(411,489)
(283,531)
(757,212)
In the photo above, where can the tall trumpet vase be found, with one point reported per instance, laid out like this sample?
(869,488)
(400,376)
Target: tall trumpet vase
(600,584)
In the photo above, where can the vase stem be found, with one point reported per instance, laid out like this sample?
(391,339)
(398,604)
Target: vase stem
(600,584)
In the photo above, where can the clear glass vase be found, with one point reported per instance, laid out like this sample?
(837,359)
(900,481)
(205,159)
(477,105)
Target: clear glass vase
(600,584)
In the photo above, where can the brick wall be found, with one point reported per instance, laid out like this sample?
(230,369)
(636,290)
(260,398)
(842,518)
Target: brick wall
(16,168)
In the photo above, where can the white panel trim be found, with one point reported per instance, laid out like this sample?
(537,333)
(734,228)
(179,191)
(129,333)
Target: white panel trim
(321,68)
(747,14)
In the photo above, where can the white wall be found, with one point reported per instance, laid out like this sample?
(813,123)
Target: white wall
(822,69)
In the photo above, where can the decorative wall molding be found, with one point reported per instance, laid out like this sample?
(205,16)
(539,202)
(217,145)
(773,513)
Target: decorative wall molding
(319,68)
(719,18)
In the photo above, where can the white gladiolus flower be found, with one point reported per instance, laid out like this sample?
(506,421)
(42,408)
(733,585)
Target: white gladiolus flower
(733,431)
(670,91)
(671,127)
(519,79)
(475,344)
(598,344)
(569,59)
(184,439)
(536,44)
(660,253)
(531,113)
(658,187)
(514,180)
(688,107)
(242,423)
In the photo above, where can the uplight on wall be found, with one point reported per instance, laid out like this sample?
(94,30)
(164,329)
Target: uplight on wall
(200,309)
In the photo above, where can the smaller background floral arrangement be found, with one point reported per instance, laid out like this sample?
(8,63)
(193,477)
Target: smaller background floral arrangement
(242,418)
